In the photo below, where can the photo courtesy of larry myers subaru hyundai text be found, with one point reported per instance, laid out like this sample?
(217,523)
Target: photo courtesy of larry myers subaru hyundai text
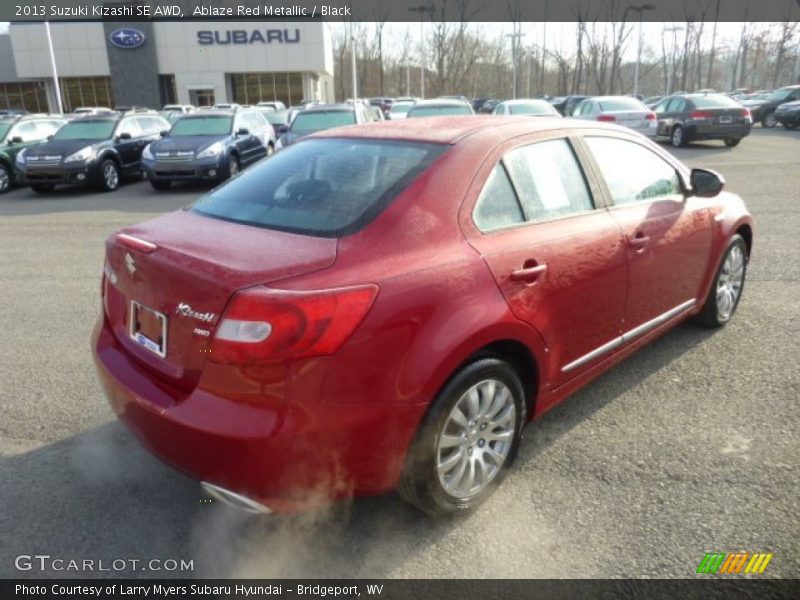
(385,306)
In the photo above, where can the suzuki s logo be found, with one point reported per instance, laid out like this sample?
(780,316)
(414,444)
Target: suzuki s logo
(130,264)
(126,38)
(186,310)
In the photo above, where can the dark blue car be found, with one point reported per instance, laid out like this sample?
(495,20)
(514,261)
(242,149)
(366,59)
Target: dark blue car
(210,145)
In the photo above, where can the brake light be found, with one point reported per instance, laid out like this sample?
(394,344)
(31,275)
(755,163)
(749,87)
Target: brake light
(650,116)
(136,243)
(698,115)
(607,118)
(262,324)
(747,114)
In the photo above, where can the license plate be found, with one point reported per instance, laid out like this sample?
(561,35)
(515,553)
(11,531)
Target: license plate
(148,328)
(725,119)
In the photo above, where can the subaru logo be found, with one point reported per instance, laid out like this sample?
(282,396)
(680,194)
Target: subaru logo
(126,38)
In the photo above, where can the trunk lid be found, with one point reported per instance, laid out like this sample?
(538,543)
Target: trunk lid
(196,264)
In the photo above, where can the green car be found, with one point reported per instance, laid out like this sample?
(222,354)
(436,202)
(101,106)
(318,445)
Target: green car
(20,132)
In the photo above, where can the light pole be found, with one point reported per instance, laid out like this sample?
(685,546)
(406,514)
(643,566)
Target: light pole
(514,37)
(670,74)
(422,9)
(353,62)
(53,66)
(640,8)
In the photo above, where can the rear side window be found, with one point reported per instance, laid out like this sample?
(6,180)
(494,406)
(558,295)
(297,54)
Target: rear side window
(633,173)
(497,205)
(549,180)
(324,188)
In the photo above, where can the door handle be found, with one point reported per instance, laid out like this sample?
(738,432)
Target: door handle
(638,242)
(529,272)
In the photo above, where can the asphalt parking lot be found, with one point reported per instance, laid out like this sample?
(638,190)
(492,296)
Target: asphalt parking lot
(690,446)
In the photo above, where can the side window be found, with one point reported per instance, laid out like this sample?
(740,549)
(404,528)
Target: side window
(27,131)
(130,126)
(632,172)
(549,180)
(661,107)
(497,205)
(676,105)
(579,109)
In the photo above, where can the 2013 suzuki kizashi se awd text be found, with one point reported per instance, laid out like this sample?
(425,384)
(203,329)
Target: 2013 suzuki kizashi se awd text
(385,306)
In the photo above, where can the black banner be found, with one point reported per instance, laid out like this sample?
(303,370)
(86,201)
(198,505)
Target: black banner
(417,589)
(402,10)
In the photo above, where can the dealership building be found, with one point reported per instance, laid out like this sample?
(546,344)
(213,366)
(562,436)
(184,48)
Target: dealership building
(152,63)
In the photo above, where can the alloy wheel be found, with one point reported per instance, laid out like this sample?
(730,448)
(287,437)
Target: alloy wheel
(729,282)
(233,167)
(476,438)
(677,137)
(111,176)
(5,180)
(769,120)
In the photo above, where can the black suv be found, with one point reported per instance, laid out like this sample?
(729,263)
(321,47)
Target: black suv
(95,150)
(18,133)
(763,108)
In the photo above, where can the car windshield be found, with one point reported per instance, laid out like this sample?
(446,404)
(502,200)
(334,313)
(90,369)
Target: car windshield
(210,125)
(277,117)
(439,110)
(777,95)
(532,108)
(324,188)
(715,101)
(308,122)
(402,107)
(620,104)
(4,127)
(86,130)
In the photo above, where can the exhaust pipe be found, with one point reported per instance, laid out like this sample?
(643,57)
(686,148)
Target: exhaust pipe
(233,499)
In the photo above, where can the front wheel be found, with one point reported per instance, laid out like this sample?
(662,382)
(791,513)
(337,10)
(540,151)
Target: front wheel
(109,176)
(769,121)
(677,138)
(725,292)
(233,167)
(732,142)
(468,440)
(791,125)
(6,180)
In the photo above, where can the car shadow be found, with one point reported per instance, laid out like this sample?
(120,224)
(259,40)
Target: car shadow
(99,495)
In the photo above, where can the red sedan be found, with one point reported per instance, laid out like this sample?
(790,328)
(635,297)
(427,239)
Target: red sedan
(385,306)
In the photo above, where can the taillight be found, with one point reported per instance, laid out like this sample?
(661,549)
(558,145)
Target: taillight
(650,116)
(607,118)
(700,114)
(747,114)
(262,324)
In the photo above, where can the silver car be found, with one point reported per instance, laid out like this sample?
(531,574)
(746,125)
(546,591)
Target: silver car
(622,110)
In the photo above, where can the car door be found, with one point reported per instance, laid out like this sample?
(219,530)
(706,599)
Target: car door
(558,258)
(246,144)
(664,120)
(667,236)
(129,150)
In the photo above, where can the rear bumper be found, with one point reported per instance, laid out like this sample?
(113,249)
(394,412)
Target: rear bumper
(717,132)
(288,454)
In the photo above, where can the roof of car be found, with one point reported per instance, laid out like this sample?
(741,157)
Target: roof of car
(329,108)
(440,102)
(519,101)
(451,129)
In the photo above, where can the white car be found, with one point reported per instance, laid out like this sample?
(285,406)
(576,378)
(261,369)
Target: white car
(400,109)
(622,110)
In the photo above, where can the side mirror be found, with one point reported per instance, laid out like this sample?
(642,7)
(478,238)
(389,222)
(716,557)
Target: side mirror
(16,140)
(243,131)
(50,138)
(283,129)
(706,183)
(124,136)
(163,133)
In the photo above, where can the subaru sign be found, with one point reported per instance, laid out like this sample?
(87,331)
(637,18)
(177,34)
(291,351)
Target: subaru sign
(126,38)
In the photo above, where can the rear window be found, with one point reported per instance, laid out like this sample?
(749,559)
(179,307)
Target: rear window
(86,130)
(534,108)
(308,122)
(402,107)
(323,188)
(278,117)
(715,102)
(439,111)
(220,125)
(621,104)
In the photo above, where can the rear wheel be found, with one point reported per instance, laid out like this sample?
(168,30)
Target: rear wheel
(109,176)
(6,180)
(677,138)
(468,440)
(159,184)
(791,125)
(725,292)
(732,142)
(769,121)
(42,188)
(233,166)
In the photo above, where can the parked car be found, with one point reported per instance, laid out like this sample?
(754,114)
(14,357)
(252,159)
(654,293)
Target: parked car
(622,110)
(171,115)
(439,107)
(384,104)
(488,106)
(458,97)
(274,104)
(651,101)
(788,114)
(763,108)
(322,117)
(95,150)
(20,132)
(566,104)
(288,338)
(208,146)
(531,107)
(694,117)
(13,112)
(279,119)
(400,109)
(180,108)
(92,110)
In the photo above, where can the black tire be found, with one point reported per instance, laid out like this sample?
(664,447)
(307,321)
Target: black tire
(419,483)
(677,137)
(6,179)
(792,125)
(732,142)
(768,120)
(710,315)
(42,188)
(160,184)
(109,176)
(233,166)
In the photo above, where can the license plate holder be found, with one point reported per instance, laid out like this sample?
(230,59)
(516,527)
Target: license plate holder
(726,119)
(148,328)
